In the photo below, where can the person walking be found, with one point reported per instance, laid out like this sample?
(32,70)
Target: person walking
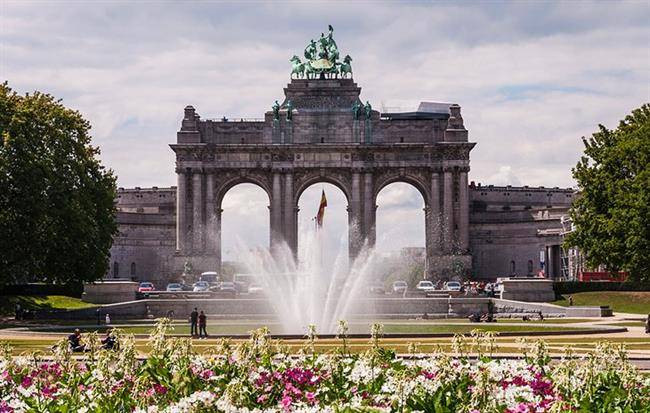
(203,321)
(194,318)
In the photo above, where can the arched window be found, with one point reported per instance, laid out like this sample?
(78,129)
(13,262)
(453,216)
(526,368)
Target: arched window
(530,266)
(512,267)
(116,269)
(132,269)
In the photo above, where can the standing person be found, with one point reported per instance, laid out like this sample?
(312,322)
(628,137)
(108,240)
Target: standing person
(194,318)
(203,320)
(647,324)
(570,301)
(108,319)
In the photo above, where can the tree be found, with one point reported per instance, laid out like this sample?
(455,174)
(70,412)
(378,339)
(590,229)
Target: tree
(57,202)
(612,211)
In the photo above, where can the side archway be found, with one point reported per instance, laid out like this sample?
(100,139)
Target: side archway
(244,220)
(401,232)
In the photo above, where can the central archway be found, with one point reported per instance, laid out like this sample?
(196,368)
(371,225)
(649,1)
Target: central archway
(333,235)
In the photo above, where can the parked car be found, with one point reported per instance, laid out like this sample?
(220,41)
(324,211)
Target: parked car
(400,287)
(145,287)
(425,286)
(201,286)
(452,286)
(174,287)
(376,289)
(255,289)
(228,287)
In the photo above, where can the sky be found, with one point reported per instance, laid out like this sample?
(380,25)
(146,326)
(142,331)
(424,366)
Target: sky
(532,78)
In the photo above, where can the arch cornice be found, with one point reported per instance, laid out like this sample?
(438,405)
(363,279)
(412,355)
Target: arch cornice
(418,179)
(341,178)
(226,180)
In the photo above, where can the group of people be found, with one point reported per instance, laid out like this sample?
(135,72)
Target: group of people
(109,342)
(198,324)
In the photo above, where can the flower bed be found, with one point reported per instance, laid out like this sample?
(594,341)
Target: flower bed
(260,375)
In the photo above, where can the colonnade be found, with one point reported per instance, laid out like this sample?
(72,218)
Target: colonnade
(200,193)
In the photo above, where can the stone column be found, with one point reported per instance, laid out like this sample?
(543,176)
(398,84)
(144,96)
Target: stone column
(276,210)
(210,231)
(463,221)
(289,211)
(369,210)
(355,228)
(197,211)
(434,228)
(216,227)
(448,212)
(181,211)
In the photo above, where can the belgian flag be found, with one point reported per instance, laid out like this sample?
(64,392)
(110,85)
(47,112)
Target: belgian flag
(321,210)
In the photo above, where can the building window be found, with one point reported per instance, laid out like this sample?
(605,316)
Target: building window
(322,140)
(512,267)
(116,269)
(132,269)
(530,267)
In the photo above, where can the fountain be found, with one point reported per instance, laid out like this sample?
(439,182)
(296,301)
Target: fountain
(314,288)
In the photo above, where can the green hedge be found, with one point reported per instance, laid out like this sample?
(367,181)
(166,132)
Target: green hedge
(571,287)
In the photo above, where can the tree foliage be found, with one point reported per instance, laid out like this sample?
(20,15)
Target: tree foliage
(612,212)
(57,212)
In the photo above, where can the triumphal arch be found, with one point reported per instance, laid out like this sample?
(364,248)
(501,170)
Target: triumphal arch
(322,131)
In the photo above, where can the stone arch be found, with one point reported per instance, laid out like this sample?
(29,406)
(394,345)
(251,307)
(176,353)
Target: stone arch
(223,186)
(341,181)
(416,180)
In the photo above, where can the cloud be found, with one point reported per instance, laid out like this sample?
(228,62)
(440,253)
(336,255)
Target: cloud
(532,78)
(505,176)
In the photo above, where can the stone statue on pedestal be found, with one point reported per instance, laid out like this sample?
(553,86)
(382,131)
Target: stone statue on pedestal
(368,109)
(276,110)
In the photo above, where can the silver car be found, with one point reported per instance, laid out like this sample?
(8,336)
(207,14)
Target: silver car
(174,287)
(452,286)
(426,286)
(201,286)
(400,287)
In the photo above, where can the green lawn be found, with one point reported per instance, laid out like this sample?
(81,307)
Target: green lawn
(40,302)
(619,301)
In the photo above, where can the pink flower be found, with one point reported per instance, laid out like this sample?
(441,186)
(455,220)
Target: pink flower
(160,389)
(5,408)
(206,374)
(263,398)
(311,397)
(286,402)
(48,392)
(27,381)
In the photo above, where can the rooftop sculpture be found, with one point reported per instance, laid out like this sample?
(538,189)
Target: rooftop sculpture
(322,60)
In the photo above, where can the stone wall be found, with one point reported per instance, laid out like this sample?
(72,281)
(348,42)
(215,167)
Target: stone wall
(509,226)
(144,246)
(260,308)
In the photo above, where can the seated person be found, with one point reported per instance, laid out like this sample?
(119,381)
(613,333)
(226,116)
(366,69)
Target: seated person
(475,318)
(109,342)
(487,318)
(74,340)
(525,318)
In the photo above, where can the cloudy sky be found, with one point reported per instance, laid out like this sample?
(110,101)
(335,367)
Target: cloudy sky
(532,77)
